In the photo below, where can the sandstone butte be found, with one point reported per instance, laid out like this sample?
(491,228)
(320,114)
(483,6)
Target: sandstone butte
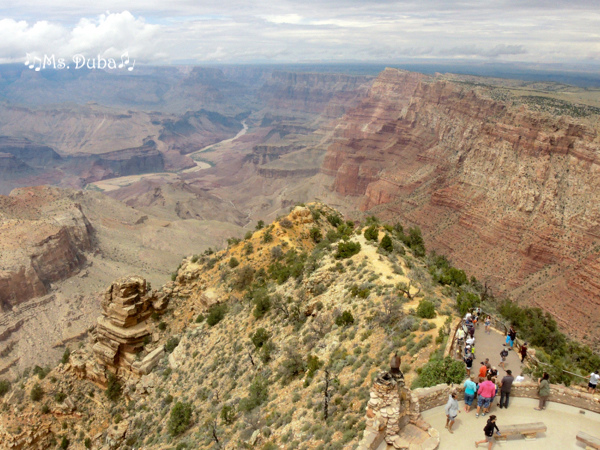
(509,193)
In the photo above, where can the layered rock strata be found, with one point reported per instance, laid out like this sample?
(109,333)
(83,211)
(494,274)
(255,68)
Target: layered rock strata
(122,331)
(507,192)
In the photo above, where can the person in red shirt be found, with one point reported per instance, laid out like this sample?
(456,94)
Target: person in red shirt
(482,370)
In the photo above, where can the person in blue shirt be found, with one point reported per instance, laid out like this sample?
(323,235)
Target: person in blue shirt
(470,389)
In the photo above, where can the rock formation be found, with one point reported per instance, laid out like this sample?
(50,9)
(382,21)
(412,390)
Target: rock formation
(506,191)
(122,331)
(390,417)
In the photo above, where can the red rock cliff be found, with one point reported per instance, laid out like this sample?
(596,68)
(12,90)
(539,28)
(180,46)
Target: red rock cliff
(510,194)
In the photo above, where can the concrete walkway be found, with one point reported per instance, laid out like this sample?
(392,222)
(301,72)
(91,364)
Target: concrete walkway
(563,423)
(490,346)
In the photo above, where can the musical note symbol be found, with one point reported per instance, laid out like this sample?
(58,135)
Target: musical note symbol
(27,55)
(131,68)
(124,62)
(31,66)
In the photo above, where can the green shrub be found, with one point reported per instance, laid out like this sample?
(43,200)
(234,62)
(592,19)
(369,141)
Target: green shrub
(312,364)
(334,220)
(36,393)
(262,303)
(248,235)
(344,319)
(216,313)
(41,372)
(162,326)
(60,397)
(64,443)
(292,365)
(347,249)
(200,318)
(260,225)
(228,414)
(66,355)
(267,237)
(171,344)
(436,371)
(466,301)
(243,277)
(179,420)
(4,387)
(372,233)
(88,443)
(258,393)
(45,408)
(233,262)
(315,234)
(386,244)
(360,292)
(259,337)
(426,309)
(113,388)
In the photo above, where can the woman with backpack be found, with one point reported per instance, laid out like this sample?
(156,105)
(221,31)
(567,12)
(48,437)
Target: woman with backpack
(489,432)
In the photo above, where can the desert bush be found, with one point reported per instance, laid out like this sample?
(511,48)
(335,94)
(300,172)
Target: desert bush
(260,224)
(286,223)
(347,249)
(258,393)
(426,309)
(243,277)
(292,365)
(359,291)
(315,234)
(276,253)
(262,303)
(386,244)
(437,370)
(216,313)
(344,319)
(171,344)
(113,388)
(4,387)
(66,355)
(267,236)
(60,397)
(179,420)
(36,393)
(372,233)
(233,262)
(334,220)
(259,337)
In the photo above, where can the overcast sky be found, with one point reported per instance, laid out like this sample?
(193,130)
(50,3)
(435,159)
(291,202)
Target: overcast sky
(164,32)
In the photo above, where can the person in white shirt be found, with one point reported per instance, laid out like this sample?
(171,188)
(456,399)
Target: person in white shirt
(471,341)
(594,377)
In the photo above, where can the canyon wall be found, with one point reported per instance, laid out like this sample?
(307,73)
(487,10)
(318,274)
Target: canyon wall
(509,194)
(44,238)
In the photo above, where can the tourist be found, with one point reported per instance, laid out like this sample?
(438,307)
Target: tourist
(523,352)
(482,370)
(471,330)
(505,386)
(513,335)
(460,339)
(451,411)
(594,377)
(493,372)
(543,391)
(489,432)
(486,392)
(469,363)
(503,356)
(488,323)
(395,365)
(470,389)
(470,340)
(488,365)
(475,320)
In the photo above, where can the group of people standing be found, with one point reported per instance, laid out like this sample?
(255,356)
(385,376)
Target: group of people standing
(485,386)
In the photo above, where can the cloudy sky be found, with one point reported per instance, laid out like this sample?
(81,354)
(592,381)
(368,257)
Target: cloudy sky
(166,32)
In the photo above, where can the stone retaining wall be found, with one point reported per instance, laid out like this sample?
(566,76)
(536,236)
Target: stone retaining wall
(423,399)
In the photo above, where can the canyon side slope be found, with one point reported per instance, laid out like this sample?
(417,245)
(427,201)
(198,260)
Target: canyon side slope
(274,341)
(506,185)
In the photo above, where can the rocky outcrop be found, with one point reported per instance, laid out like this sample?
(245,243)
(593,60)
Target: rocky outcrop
(474,173)
(122,331)
(33,154)
(44,238)
(391,417)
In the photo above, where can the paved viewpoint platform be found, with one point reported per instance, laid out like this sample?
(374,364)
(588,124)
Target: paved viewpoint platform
(563,423)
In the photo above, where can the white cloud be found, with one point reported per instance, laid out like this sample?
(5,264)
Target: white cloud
(307,30)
